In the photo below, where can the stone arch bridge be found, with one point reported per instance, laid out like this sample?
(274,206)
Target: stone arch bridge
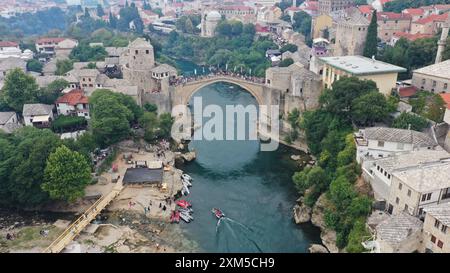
(264,95)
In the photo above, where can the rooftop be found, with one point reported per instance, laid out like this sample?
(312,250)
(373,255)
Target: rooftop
(446,98)
(397,228)
(432,18)
(359,65)
(73,98)
(426,178)
(5,116)
(412,159)
(164,68)
(441,70)
(143,175)
(399,135)
(37,109)
(441,212)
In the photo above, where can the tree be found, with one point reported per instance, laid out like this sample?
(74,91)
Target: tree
(289,47)
(149,121)
(19,89)
(112,21)
(410,121)
(369,108)
(345,90)
(26,167)
(150,107)
(100,11)
(34,66)
(85,53)
(66,174)
(49,94)
(63,66)
(370,48)
(286,62)
(358,234)
(165,125)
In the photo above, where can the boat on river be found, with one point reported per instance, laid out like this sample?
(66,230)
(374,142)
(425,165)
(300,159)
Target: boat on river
(184,204)
(175,217)
(186,217)
(218,213)
(186,177)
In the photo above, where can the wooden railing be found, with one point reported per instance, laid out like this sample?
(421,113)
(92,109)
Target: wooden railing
(78,225)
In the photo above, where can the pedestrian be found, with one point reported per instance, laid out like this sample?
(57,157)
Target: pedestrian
(164,208)
(160,205)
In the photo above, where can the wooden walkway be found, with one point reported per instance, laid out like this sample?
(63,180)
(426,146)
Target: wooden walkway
(83,221)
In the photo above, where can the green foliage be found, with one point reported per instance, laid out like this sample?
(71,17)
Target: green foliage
(85,53)
(286,62)
(370,108)
(370,48)
(345,91)
(289,47)
(34,66)
(165,125)
(357,235)
(410,54)
(67,123)
(66,174)
(313,178)
(49,94)
(428,105)
(150,107)
(63,66)
(187,23)
(127,15)
(405,120)
(399,5)
(19,89)
(100,11)
(149,121)
(112,114)
(302,24)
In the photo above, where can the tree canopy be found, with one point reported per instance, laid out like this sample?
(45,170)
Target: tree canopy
(370,47)
(19,89)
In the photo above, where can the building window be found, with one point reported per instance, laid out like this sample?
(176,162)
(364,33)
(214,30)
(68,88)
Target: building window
(436,223)
(423,81)
(444,229)
(429,196)
(397,200)
(409,193)
(137,52)
(389,176)
(445,86)
(433,239)
(147,51)
(400,185)
(424,197)
(380,143)
(434,83)
(440,244)
(406,207)
(446,193)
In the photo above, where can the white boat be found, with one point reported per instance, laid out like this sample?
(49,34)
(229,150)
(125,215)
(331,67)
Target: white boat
(188,210)
(185,190)
(187,215)
(187,177)
(187,183)
(185,218)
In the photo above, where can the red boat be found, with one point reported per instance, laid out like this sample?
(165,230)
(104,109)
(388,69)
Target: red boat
(218,213)
(175,217)
(184,204)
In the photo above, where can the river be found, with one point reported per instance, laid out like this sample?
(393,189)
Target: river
(253,188)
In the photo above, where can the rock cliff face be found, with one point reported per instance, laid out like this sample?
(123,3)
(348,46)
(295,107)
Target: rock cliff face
(327,235)
(302,213)
(315,248)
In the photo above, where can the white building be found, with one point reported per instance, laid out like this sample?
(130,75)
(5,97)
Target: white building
(50,45)
(73,103)
(379,142)
(9,122)
(12,49)
(379,172)
(38,115)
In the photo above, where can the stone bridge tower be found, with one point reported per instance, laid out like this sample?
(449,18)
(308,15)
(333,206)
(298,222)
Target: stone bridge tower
(140,61)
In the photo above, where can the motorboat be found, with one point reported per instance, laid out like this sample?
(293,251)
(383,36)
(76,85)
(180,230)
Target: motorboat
(218,213)
(188,210)
(186,182)
(185,190)
(186,177)
(185,217)
(184,204)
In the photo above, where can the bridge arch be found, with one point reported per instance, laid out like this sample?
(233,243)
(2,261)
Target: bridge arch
(185,92)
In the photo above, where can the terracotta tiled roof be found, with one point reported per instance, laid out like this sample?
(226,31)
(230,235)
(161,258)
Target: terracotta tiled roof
(446,98)
(50,40)
(417,11)
(406,92)
(432,18)
(412,37)
(393,16)
(365,9)
(8,44)
(73,98)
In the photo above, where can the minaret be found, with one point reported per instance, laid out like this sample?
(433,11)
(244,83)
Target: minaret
(443,41)
(294,3)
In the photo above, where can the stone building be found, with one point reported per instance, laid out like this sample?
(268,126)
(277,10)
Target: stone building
(140,61)
(436,228)
(328,6)
(301,87)
(209,23)
(434,78)
(390,23)
(351,32)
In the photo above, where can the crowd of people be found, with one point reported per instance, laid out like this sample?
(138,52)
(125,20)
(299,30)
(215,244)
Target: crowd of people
(182,80)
